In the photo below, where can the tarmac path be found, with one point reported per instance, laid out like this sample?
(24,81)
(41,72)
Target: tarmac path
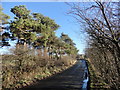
(70,79)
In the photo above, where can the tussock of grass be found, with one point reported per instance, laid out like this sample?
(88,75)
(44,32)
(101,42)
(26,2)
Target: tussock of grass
(23,69)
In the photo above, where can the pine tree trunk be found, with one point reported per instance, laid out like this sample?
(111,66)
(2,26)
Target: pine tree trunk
(25,45)
(45,52)
(39,52)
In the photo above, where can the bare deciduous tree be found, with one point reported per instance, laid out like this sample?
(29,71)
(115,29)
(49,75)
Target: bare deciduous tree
(101,22)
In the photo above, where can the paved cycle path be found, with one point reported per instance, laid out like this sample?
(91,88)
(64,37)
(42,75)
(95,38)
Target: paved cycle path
(70,79)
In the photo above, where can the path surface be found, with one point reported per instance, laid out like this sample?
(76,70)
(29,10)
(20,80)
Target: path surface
(70,79)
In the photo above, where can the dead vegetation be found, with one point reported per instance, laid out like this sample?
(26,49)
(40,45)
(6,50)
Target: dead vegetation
(22,68)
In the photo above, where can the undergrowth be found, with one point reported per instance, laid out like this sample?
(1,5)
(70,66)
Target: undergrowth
(22,68)
(96,82)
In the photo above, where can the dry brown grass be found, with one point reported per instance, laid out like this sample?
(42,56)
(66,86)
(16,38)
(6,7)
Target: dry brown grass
(22,69)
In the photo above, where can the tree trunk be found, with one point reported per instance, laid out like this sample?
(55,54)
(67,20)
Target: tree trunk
(45,52)
(39,52)
(25,46)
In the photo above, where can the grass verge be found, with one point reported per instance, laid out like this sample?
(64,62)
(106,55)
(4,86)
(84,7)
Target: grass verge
(96,81)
